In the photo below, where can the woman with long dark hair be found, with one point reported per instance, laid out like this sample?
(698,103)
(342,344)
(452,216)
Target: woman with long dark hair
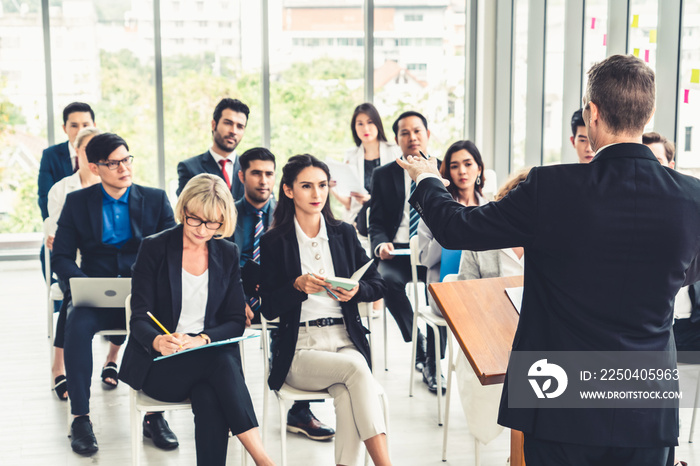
(464,168)
(371,150)
(322,344)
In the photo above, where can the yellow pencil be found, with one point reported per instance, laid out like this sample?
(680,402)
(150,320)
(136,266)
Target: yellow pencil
(159,324)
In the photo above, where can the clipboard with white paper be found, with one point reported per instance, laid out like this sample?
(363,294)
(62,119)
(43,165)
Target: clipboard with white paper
(346,178)
(210,345)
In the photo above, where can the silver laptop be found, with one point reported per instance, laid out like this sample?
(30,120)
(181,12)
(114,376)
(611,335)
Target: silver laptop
(99,292)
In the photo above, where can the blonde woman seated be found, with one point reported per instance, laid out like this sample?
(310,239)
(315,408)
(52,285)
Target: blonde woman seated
(190,281)
(480,403)
(322,344)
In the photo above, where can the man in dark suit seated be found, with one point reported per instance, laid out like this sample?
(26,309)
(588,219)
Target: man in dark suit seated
(607,245)
(227,130)
(61,160)
(255,208)
(107,223)
(392,222)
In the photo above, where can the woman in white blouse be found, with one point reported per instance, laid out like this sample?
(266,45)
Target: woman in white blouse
(82,178)
(480,403)
(322,344)
(371,150)
(464,168)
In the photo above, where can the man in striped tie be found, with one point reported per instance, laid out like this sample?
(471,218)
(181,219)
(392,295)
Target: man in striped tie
(255,208)
(392,222)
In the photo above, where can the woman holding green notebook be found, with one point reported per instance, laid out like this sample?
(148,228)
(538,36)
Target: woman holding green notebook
(322,344)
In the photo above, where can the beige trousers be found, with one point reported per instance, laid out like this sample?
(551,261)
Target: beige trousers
(326,359)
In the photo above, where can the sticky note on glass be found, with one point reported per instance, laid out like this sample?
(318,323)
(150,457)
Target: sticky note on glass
(592,23)
(636,52)
(687,94)
(635,21)
(605,40)
(652,36)
(695,76)
(646,56)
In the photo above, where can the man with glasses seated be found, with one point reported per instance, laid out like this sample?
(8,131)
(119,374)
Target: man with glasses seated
(107,223)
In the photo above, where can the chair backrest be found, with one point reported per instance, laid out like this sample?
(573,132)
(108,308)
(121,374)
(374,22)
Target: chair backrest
(47,258)
(449,262)
(419,299)
(452,277)
(127,313)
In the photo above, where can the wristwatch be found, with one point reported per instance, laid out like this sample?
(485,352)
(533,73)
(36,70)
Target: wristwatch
(205,337)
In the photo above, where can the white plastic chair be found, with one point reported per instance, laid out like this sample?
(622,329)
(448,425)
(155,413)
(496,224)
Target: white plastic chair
(448,395)
(369,313)
(421,310)
(287,393)
(53,293)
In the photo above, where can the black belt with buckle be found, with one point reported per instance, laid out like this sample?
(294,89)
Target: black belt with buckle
(324,322)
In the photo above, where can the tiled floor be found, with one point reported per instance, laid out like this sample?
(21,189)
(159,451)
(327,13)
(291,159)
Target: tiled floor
(33,431)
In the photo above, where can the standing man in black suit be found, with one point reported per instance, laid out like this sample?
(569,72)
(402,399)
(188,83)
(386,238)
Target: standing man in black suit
(107,223)
(390,225)
(227,130)
(597,276)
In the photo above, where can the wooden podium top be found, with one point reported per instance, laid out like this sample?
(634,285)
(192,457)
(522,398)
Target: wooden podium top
(483,321)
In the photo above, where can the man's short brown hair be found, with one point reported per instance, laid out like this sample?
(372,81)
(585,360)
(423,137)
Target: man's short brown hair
(623,89)
(653,137)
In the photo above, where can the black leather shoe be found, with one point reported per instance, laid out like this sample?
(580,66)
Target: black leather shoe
(156,428)
(430,379)
(421,352)
(304,422)
(83,439)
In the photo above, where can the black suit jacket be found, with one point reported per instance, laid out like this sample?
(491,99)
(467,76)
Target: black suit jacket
(386,204)
(156,286)
(205,163)
(607,247)
(55,164)
(281,265)
(80,228)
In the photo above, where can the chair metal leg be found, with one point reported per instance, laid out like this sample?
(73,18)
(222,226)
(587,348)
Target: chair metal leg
(135,429)
(450,371)
(695,410)
(438,369)
(414,338)
(386,344)
(477,453)
(283,431)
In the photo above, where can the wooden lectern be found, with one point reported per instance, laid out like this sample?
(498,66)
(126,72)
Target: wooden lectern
(483,320)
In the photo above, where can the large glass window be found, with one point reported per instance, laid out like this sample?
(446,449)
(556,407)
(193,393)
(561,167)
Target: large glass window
(102,54)
(519,80)
(688,138)
(553,82)
(419,65)
(316,76)
(209,52)
(643,21)
(23,133)
(595,35)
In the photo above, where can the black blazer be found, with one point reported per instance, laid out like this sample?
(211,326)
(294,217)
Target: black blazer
(386,204)
(205,163)
(156,286)
(55,165)
(281,265)
(607,247)
(80,227)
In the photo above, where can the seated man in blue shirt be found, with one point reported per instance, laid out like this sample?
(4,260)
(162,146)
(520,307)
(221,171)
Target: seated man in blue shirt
(255,208)
(107,223)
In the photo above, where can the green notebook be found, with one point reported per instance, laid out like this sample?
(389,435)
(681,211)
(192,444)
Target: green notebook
(346,283)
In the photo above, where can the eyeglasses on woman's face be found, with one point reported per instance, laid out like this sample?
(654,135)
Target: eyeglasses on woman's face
(196,221)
